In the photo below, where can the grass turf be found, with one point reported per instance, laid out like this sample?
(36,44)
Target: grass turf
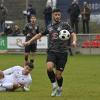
(81,79)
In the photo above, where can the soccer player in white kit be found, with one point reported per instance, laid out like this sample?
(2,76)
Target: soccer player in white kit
(16,77)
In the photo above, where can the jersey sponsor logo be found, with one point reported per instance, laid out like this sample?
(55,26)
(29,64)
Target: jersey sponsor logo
(54,36)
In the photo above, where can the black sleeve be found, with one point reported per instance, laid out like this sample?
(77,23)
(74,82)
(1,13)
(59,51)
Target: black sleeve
(45,32)
(26,29)
(69,9)
(37,30)
(34,11)
(67,27)
(77,11)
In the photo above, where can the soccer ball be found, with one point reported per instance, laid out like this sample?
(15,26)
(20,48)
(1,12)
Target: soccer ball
(64,35)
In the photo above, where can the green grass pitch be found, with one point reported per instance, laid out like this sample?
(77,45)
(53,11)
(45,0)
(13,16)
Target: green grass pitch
(81,79)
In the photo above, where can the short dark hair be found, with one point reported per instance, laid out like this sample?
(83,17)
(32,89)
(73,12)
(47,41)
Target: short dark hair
(30,64)
(33,15)
(30,5)
(56,10)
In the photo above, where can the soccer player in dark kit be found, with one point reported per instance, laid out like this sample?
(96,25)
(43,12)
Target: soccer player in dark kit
(57,50)
(30,30)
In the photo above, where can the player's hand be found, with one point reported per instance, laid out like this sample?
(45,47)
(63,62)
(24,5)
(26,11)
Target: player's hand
(15,86)
(74,44)
(26,89)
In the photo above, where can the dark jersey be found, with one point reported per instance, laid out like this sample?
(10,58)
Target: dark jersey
(54,43)
(31,31)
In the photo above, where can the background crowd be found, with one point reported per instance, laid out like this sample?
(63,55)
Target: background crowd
(75,13)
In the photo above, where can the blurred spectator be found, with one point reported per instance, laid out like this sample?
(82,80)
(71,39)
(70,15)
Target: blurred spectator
(1,33)
(16,31)
(52,3)
(8,30)
(85,12)
(3,16)
(47,15)
(74,12)
(30,11)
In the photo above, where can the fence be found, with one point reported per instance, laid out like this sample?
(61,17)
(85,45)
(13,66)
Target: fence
(86,44)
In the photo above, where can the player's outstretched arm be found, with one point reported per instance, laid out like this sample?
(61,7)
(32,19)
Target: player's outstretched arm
(10,70)
(74,39)
(14,87)
(36,37)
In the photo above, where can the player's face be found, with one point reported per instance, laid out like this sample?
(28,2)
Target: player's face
(33,19)
(27,70)
(56,16)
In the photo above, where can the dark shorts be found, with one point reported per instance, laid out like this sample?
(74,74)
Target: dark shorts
(31,48)
(59,59)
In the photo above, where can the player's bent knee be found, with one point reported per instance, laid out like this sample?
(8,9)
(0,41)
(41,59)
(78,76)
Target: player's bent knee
(58,76)
(50,66)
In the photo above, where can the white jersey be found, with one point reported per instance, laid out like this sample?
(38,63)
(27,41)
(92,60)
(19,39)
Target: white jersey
(15,75)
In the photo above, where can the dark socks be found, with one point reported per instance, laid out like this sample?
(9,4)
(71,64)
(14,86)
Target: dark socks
(60,82)
(51,76)
(26,58)
(32,60)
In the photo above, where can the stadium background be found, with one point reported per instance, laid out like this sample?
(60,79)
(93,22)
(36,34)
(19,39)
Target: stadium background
(16,7)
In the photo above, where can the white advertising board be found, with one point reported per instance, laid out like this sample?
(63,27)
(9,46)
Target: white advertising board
(42,43)
(11,42)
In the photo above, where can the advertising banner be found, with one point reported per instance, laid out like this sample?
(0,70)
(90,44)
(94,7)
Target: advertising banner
(12,42)
(3,43)
(42,43)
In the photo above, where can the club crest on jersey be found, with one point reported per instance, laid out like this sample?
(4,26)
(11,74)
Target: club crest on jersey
(59,29)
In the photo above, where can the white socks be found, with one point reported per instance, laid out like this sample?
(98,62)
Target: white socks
(54,85)
(59,88)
